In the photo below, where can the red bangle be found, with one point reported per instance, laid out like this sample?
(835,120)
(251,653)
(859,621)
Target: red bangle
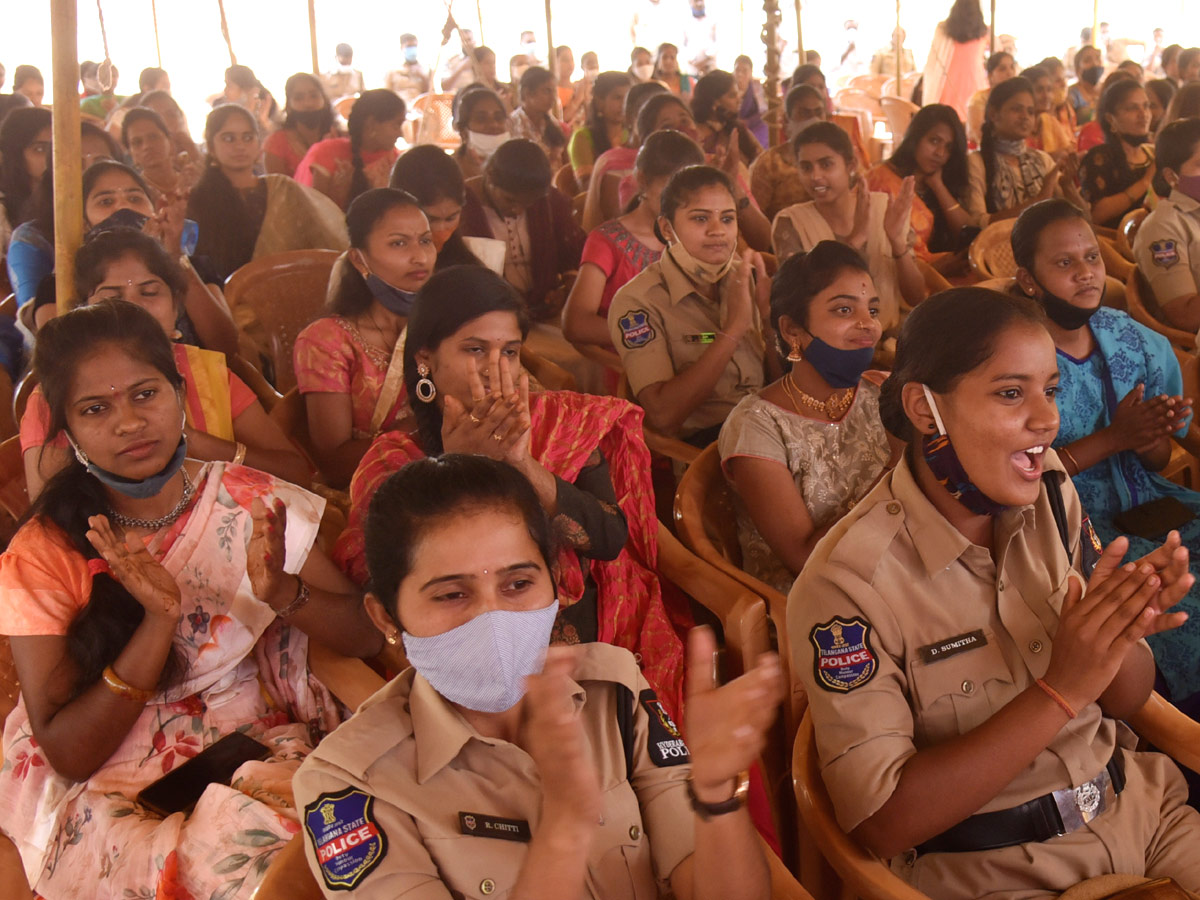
(1057,698)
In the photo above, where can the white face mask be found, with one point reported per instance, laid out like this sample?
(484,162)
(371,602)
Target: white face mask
(482,664)
(644,71)
(486,144)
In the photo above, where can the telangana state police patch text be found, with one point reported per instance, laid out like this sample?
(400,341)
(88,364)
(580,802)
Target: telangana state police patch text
(843,658)
(348,841)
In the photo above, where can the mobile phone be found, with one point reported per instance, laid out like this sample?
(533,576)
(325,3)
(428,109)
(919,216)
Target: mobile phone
(1154,518)
(178,790)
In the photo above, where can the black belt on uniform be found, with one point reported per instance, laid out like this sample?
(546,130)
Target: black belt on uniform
(1042,818)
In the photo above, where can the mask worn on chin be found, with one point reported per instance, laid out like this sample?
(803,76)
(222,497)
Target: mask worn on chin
(1189,185)
(1063,313)
(309,118)
(794,128)
(482,664)
(486,144)
(709,273)
(1092,74)
(1135,140)
(138,490)
(841,368)
(410,53)
(644,71)
(943,462)
(390,298)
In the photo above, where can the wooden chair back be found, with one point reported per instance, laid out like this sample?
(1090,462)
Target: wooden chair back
(899,113)
(991,252)
(1128,230)
(672,448)
(437,121)
(281,293)
(549,375)
(255,380)
(1139,300)
(8,306)
(1115,264)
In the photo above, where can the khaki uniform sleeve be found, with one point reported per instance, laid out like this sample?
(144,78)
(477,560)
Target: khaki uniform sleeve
(662,795)
(1163,256)
(640,339)
(405,868)
(864,732)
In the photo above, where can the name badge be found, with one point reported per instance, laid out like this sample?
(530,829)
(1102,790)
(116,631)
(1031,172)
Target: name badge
(704,337)
(479,825)
(931,653)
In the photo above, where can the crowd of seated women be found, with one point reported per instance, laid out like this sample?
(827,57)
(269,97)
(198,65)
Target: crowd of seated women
(958,490)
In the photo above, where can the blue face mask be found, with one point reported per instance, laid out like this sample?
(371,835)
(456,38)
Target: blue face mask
(946,467)
(390,298)
(138,490)
(410,53)
(841,368)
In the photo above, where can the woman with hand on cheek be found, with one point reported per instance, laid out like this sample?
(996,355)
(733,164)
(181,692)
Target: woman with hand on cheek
(472,743)
(1121,401)
(961,627)
(584,454)
(802,451)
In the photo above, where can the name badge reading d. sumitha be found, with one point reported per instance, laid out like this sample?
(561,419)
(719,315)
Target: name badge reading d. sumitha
(932,653)
(480,825)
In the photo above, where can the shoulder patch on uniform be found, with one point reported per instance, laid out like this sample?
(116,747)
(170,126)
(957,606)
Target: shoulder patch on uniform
(843,657)
(636,330)
(346,837)
(1164,253)
(664,744)
(1090,547)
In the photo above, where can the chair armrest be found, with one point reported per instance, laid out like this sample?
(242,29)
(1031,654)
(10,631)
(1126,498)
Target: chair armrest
(1169,730)
(350,680)
(671,448)
(784,885)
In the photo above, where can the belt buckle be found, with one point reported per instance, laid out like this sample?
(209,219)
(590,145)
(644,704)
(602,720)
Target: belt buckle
(1079,805)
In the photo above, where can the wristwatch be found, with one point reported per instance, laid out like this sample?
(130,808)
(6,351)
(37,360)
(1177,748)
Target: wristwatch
(707,811)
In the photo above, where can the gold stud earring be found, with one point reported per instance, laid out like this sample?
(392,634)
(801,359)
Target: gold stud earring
(393,638)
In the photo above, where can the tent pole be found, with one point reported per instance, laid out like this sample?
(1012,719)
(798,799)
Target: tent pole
(68,165)
(157,48)
(898,45)
(993,27)
(770,37)
(799,37)
(551,64)
(479,16)
(1096,28)
(312,36)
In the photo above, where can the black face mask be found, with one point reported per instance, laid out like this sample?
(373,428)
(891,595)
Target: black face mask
(309,118)
(1135,140)
(1092,74)
(1064,314)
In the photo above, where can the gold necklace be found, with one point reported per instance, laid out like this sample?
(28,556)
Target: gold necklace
(833,408)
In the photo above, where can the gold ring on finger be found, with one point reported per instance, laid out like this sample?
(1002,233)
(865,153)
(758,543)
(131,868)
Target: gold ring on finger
(497,437)
(475,420)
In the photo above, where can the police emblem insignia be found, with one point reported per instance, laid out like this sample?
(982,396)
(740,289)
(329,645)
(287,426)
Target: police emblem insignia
(664,742)
(1165,253)
(844,659)
(1090,547)
(636,330)
(348,841)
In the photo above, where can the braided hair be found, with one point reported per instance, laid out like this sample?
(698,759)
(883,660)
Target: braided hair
(380,106)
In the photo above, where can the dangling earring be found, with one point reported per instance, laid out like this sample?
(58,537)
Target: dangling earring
(426,389)
(79,454)
(795,355)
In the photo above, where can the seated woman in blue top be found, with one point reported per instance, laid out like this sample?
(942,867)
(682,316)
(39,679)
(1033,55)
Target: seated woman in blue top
(1120,401)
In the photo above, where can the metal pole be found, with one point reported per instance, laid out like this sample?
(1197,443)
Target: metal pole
(154,13)
(898,44)
(68,165)
(1096,29)
(312,36)
(993,27)
(550,61)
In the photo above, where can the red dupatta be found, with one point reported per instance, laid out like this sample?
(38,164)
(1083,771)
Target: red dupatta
(567,429)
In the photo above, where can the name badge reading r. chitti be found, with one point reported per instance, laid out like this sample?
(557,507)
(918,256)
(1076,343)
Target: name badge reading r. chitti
(479,825)
(932,653)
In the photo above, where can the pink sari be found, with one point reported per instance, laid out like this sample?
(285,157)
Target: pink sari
(244,670)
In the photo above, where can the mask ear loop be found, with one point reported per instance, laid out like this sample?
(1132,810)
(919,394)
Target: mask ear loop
(79,454)
(937,418)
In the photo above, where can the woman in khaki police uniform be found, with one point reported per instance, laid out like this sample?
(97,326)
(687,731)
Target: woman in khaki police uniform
(689,327)
(965,686)
(469,775)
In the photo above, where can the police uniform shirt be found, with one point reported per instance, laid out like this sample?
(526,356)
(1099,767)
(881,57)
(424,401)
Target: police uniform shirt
(1167,247)
(907,635)
(406,800)
(660,325)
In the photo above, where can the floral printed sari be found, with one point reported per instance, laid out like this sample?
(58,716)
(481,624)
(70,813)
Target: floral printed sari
(243,670)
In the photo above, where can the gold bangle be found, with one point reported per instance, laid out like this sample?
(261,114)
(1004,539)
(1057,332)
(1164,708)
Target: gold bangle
(1063,451)
(239,454)
(954,207)
(122,688)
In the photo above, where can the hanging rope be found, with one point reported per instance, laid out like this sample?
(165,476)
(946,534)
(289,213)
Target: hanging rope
(224,32)
(154,13)
(104,74)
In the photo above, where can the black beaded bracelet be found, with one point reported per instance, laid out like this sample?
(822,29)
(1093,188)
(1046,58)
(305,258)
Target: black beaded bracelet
(707,811)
